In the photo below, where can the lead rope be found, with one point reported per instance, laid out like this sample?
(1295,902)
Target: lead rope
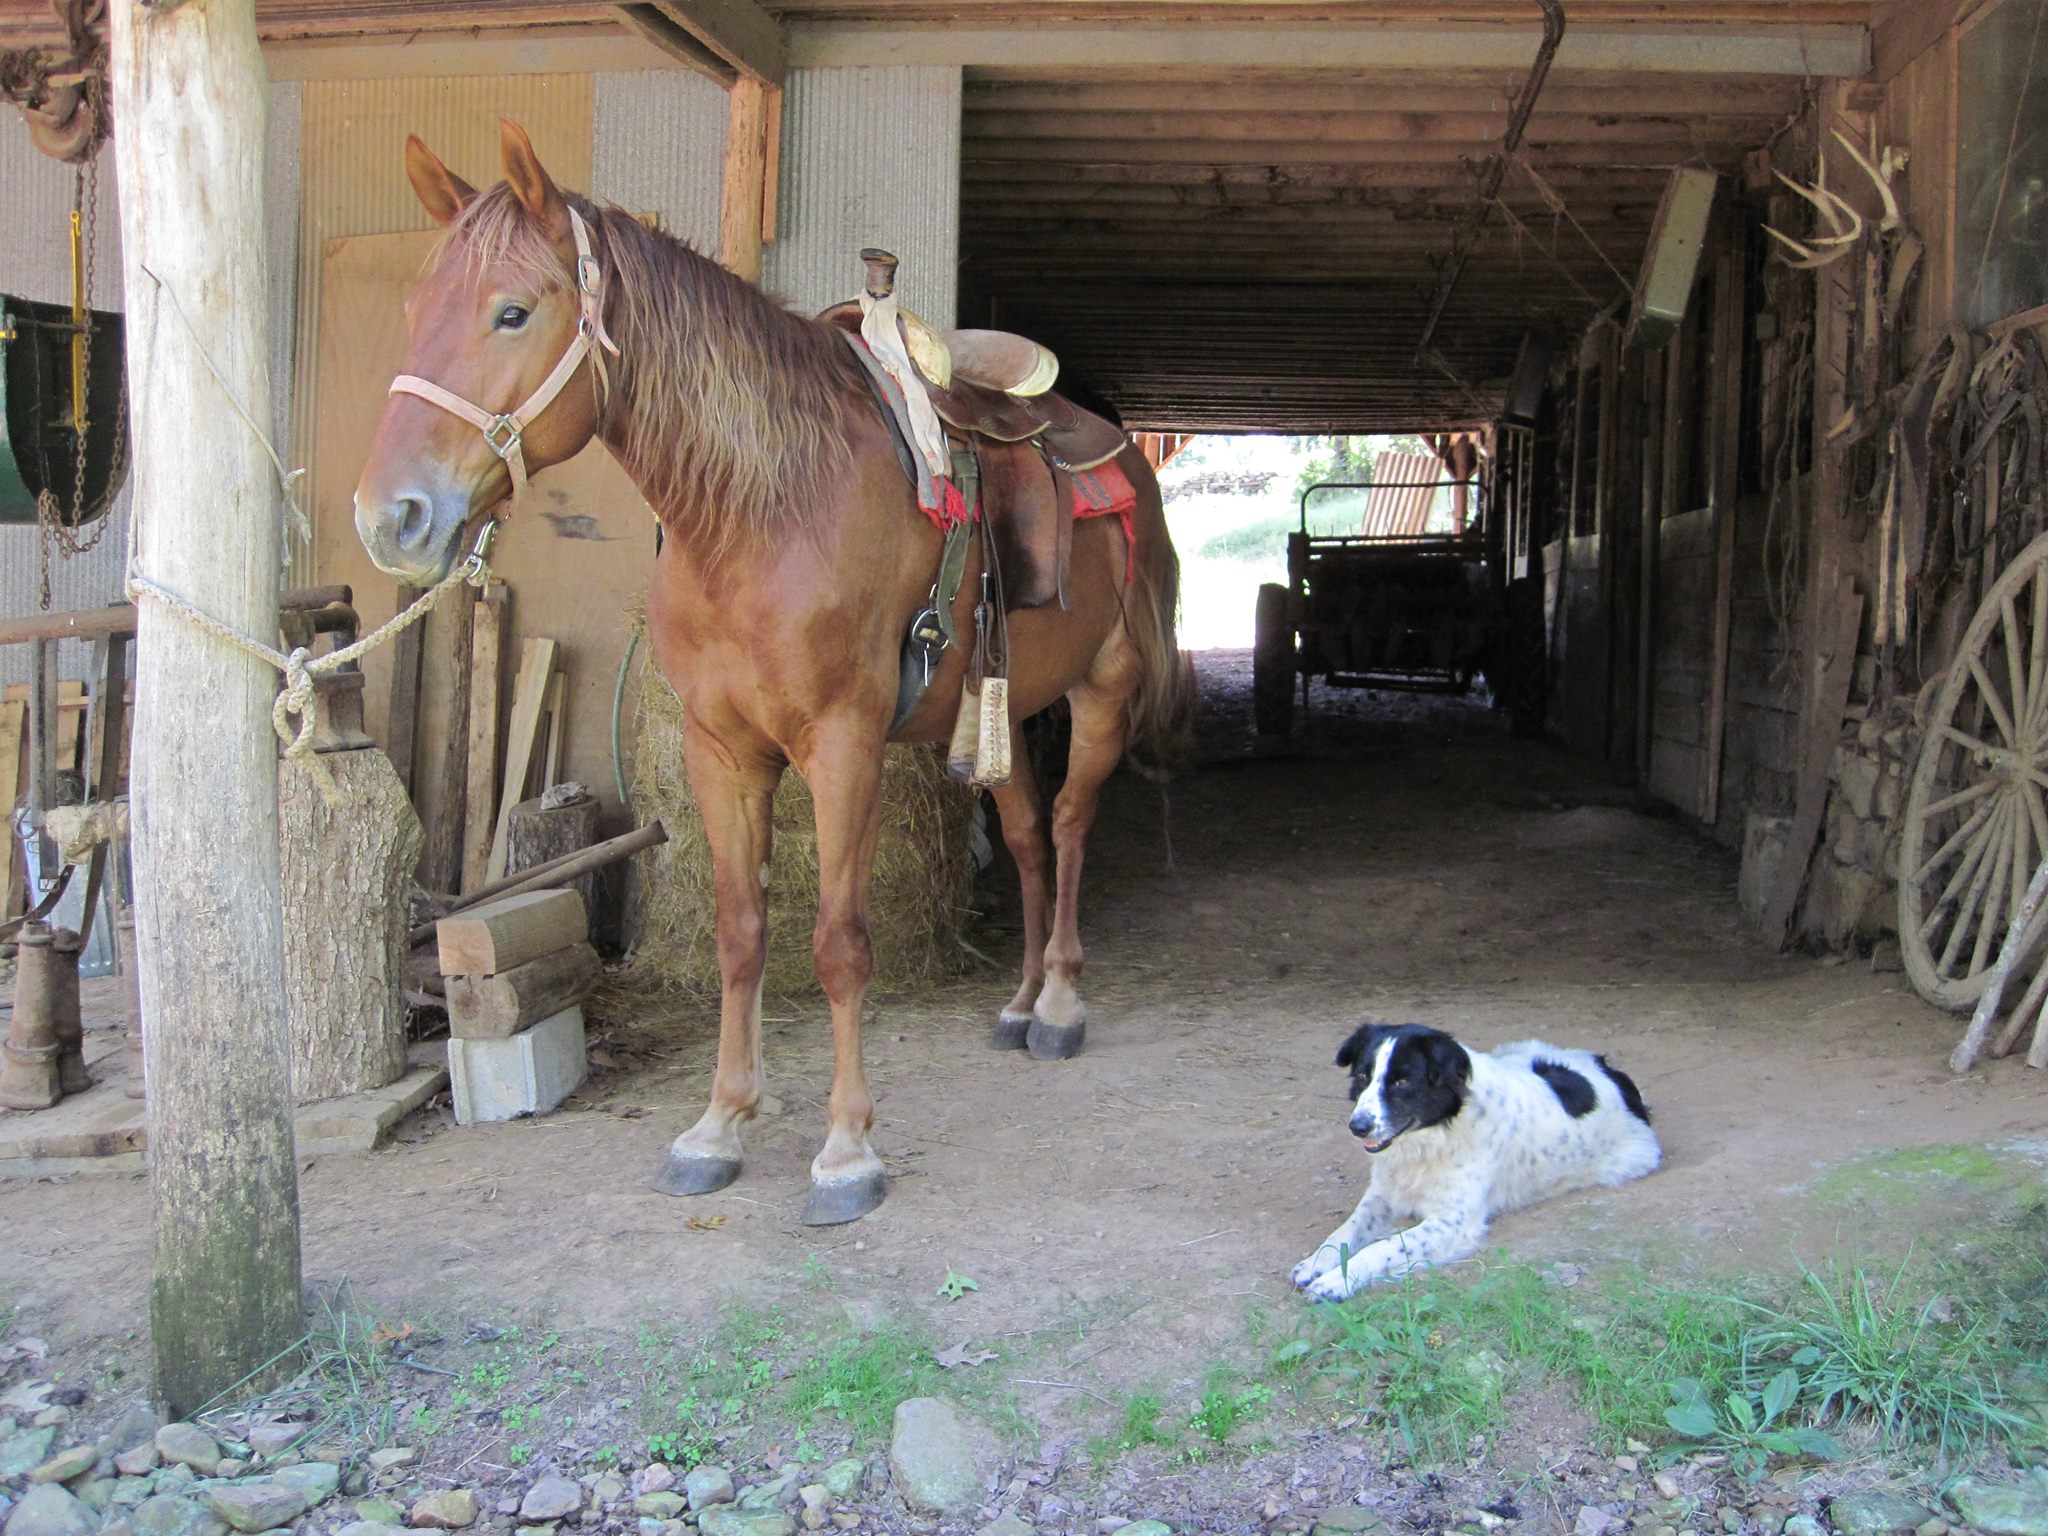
(299,666)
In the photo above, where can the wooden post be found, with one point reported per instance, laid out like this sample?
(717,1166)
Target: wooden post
(481,794)
(1726,447)
(225,1294)
(743,201)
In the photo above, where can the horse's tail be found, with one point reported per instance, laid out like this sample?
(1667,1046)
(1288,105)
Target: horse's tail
(1160,733)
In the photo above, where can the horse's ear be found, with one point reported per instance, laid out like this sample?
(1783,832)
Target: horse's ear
(531,184)
(444,193)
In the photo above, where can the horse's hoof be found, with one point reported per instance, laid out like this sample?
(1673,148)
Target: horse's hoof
(682,1175)
(1011,1032)
(830,1205)
(1055,1042)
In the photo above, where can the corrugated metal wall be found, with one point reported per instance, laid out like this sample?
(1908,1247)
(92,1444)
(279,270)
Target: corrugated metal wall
(35,263)
(658,147)
(869,157)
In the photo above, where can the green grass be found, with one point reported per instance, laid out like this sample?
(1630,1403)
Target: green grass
(1140,1427)
(859,1381)
(1922,1358)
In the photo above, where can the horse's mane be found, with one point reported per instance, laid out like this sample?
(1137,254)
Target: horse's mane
(729,409)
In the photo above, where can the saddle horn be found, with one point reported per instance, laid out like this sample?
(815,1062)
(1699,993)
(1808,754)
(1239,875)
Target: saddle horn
(881,267)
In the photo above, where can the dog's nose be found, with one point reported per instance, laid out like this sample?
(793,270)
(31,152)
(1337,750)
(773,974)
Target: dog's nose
(1361,1126)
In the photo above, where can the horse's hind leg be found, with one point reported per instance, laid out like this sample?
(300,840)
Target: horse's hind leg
(1022,809)
(844,771)
(1100,717)
(736,797)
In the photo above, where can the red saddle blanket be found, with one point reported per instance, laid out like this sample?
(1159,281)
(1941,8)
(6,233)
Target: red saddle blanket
(1103,491)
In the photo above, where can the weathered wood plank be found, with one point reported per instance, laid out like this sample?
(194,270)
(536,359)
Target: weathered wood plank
(498,1007)
(510,931)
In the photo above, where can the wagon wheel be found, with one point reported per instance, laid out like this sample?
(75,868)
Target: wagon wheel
(1272,663)
(1977,813)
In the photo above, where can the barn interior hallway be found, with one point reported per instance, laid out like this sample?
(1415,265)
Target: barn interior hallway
(1409,860)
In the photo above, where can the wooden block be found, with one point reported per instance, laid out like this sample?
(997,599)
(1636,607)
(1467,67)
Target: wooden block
(441,867)
(479,818)
(557,718)
(538,833)
(529,695)
(498,1007)
(511,931)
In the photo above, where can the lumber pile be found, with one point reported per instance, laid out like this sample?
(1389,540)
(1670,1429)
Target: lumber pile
(516,971)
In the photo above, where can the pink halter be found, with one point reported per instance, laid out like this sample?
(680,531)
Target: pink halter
(502,430)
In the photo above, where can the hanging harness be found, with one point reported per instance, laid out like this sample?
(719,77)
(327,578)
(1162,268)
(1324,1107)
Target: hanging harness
(503,430)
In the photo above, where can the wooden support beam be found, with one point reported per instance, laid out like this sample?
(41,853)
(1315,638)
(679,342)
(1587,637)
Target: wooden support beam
(1726,447)
(743,197)
(480,795)
(224,1303)
(1752,49)
(652,25)
(522,736)
(739,33)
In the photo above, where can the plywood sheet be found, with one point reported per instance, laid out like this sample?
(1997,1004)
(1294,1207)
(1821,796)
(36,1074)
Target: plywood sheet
(576,554)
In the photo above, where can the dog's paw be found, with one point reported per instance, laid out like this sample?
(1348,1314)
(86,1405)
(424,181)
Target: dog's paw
(1332,1285)
(1307,1270)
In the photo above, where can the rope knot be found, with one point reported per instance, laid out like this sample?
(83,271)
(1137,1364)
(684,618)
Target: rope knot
(297,698)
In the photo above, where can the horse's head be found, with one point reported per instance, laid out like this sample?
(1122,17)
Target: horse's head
(499,318)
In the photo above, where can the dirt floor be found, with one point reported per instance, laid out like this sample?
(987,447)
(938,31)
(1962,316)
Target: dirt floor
(1409,860)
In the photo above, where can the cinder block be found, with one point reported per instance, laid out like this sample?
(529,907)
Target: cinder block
(527,1074)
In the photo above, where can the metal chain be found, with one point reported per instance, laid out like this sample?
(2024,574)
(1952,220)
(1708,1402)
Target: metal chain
(55,528)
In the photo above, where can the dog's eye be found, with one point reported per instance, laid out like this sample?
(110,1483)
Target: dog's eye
(1399,1080)
(513,316)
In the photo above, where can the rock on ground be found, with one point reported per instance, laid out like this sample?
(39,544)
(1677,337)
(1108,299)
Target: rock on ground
(168,1515)
(1146,1528)
(1875,1514)
(705,1486)
(1007,1524)
(937,1457)
(843,1478)
(1996,1509)
(66,1465)
(187,1445)
(22,1452)
(47,1510)
(552,1498)
(260,1505)
(727,1520)
(449,1510)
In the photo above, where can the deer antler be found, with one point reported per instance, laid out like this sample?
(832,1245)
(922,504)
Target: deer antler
(1844,223)
(1889,163)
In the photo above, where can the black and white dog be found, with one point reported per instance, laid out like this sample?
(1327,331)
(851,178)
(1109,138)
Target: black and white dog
(1457,1136)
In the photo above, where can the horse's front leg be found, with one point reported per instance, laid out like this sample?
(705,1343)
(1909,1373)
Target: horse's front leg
(843,766)
(735,793)
(1022,809)
(1060,1019)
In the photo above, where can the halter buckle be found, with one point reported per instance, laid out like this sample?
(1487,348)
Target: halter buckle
(588,275)
(503,436)
(475,569)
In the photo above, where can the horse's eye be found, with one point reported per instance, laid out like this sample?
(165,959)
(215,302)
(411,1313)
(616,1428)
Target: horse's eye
(513,316)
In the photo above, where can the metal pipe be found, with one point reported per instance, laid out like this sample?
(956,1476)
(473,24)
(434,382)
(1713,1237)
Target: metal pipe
(1489,188)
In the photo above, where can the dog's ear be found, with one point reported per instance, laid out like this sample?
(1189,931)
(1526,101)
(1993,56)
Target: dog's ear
(1358,1048)
(1449,1065)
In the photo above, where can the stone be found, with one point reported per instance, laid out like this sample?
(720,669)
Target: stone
(649,1526)
(552,1498)
(138,1460)
(48,1510)
(52,1416)
(187,1445)
(231,1467)
(1931,1528)
(1147,1528)
(1666,1485)
(362,1528)
(843,1478)
(269,1440)
(66,1465)
(661,1506)
(706,1486)
(393,1457)
(317,1480)
(936,1457)
(607,1489)
(655,1477)
(730,1520)
(449,1510)
(134,1426)
(1593,1521)
(2002,1509)
(528,1074)
(1875,1514)
(175,1478)
(96,1494)
(166,1515)
(257,1505)
(772,1494)
(1007,1524)
(1348,1518)
(379,1512)
(132,1490)
(25,1450)
(1804,1525)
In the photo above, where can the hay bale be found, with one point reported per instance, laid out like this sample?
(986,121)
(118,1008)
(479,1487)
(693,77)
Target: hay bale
(924,871)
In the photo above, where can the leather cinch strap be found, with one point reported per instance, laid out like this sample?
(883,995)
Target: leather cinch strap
(502,430)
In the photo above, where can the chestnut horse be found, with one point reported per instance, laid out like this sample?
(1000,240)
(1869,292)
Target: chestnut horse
(795,558)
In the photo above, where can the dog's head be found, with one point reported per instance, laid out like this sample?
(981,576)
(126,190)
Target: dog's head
(1404,1077)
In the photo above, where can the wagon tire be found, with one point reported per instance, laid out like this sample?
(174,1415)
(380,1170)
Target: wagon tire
(1976,814)
(1272,663)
